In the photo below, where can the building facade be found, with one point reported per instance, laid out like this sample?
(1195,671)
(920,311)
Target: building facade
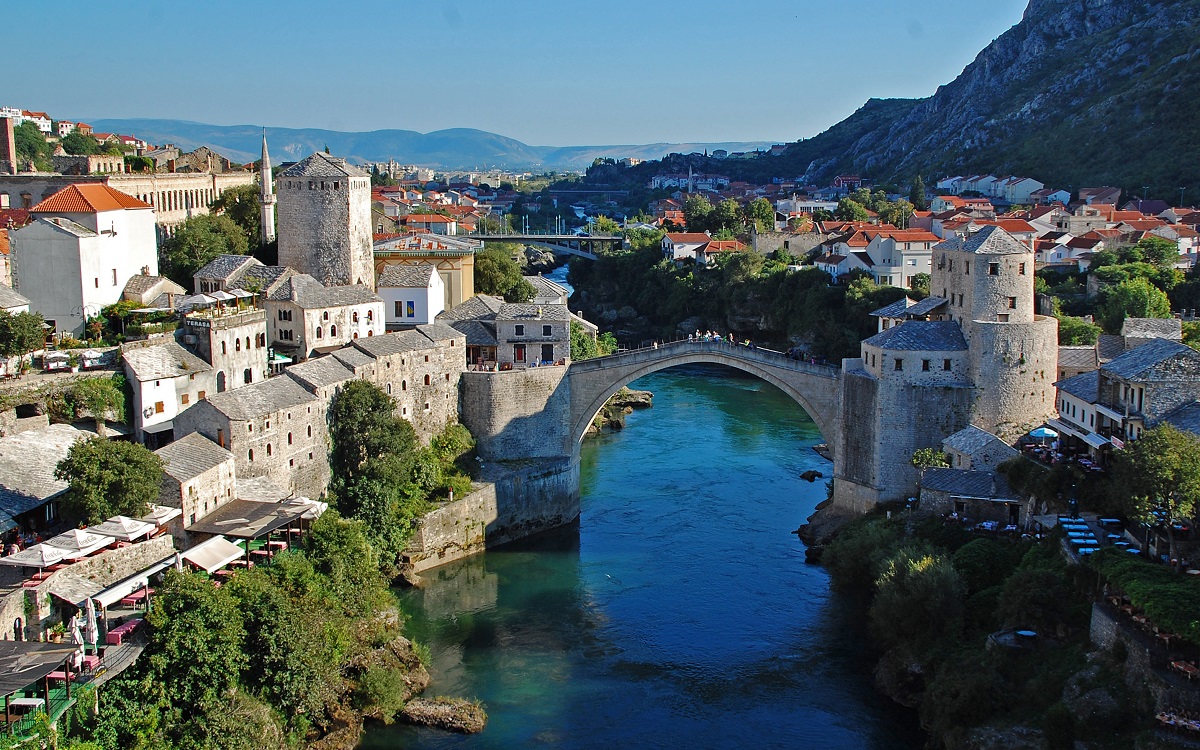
(324,207)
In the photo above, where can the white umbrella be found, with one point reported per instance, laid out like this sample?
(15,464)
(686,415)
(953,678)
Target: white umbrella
(179,561)
(123,527)
(37,556)
(91,633)
(78,543)
(76,633)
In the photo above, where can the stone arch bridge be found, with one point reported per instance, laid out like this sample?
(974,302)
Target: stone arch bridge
(594,381)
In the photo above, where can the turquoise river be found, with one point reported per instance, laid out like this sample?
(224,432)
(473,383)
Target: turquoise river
(678,612)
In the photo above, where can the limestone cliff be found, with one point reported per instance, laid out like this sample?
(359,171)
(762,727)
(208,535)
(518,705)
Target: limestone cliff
(1079,92)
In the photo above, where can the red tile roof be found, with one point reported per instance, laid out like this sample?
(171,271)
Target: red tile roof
(688,237)
(427,219)
(87,198)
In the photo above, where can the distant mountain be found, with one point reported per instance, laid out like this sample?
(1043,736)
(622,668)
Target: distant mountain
(1080,92)
(458,148)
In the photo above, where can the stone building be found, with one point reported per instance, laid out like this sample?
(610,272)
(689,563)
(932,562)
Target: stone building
(304,317)
(977,354)
(233,339)
(226,273)
(528,334)
(198,477)
(974,449)
(324,207)
(453,257)
(274,429)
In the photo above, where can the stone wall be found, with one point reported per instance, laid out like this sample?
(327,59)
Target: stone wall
(1014,367)
(1144,664)
(325,228)
(798,245)
(517,502)
(518,414)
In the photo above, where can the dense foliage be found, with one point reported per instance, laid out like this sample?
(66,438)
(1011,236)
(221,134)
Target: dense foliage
(20,333)
(498,273)
(742,287)
(196,242)
(109,478)
(1170,600)
(243,205)
(933,594)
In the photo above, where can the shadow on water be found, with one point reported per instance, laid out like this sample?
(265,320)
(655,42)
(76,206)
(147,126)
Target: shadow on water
(678,612)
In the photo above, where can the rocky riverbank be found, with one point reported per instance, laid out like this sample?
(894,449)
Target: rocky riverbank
(450,714)
(612,415)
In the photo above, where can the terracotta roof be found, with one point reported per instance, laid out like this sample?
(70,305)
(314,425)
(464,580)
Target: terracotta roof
(426,219)
(688,237)
(87,198)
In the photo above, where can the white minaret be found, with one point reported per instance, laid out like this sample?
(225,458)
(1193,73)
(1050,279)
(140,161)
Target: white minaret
(268,195)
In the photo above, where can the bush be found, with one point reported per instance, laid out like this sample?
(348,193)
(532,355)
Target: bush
(1059,728)
(983,563)
(918,601)
(381,691)
(855,557)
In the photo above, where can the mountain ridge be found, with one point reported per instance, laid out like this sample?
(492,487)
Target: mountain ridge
(451,148)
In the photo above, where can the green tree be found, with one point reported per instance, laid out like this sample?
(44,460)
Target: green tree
(32,146)
(849,210)
(583,344)
(242,204)
(1160,477)
(497,273)
(698,213)
(364,428)
(1157,250)
(1074,331)
(917,196)
(823,214)
(340,550)
(920,284)
(101,397)
(918,601)
(109,478)
(196,641)
(897,213)
(77,143)
(196,242)
(727,215)
(1135,298)
(605,225)
(761,214)
(21,333)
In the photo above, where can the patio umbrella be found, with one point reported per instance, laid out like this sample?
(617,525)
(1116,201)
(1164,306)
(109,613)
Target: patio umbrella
(37,556)
(1043,434)
(78,543)
(179,562)
(91,633)
(76,633)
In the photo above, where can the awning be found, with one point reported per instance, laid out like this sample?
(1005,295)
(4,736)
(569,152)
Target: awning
(6,522)
(154,429)
(247,519)
(1063,427)
(123,528)
(37,556)
(241,293)
(1094,440)
(222,296)
(127,586)
(23,663)
(73,589)
(213,554)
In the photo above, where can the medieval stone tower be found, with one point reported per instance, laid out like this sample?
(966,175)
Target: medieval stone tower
(977,355)
(325,221)
(267,195)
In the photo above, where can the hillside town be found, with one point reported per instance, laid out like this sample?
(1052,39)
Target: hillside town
(365,277)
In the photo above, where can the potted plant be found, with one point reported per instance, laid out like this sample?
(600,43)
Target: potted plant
(57,632)
(73,361)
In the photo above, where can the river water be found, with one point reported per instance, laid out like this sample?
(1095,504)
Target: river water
(678,612)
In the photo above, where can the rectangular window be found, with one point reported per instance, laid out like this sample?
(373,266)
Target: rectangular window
(411,307)
(114,277)
(221,438)
(97,282)
(184,399)
(519,353)
(993,269)
(546,330)
(158,407)
(201,395)
(519,330)
(967,272)
(1012,303)
(399,309)
(899,365)
(946,365)
(1021,269)
(925,365)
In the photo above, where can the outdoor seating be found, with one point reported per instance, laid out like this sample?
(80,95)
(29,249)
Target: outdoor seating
(117,635)
(1186,668)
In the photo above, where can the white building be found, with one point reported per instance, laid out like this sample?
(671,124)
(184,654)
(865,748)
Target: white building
(86,242)
(166,380)
(412,295)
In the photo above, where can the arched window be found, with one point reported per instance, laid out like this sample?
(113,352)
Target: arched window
(370,315)
(268,449)
(289,438)
(237,345)
(220,382)
(223,347)
(426,380)
(389,389)
(325,315)
(370,333)
(318,331)
(250,454)
(248,376)
(404,385)
(354,316)
(247,343)
(332,331)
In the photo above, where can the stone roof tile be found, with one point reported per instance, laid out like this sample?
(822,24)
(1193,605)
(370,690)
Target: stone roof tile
(190,456)
(225,267)
(10,298)
(320,372)
(162,361)
(393,343)
(416,276)
(322,165)
(479,307)
(990,240)
(1136,361)
(530,311)
(971,440)
(1077,357)
(261,399)
(27,463)
(921,335)
(309,293)
(1153,328)
(984,485)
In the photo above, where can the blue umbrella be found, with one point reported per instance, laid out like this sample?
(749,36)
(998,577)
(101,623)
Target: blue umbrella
(1043,433)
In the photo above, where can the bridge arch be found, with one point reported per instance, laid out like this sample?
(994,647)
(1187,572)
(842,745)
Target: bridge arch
(594,381)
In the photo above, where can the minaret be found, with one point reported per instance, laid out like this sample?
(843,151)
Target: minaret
(268,195)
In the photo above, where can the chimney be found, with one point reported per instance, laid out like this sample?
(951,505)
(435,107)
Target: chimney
(8,144)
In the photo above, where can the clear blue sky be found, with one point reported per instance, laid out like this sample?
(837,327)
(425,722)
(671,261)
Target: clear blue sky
(547,72)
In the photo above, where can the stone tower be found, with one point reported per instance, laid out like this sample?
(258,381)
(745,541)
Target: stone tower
(977,354)
(325,221)
(268,195)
